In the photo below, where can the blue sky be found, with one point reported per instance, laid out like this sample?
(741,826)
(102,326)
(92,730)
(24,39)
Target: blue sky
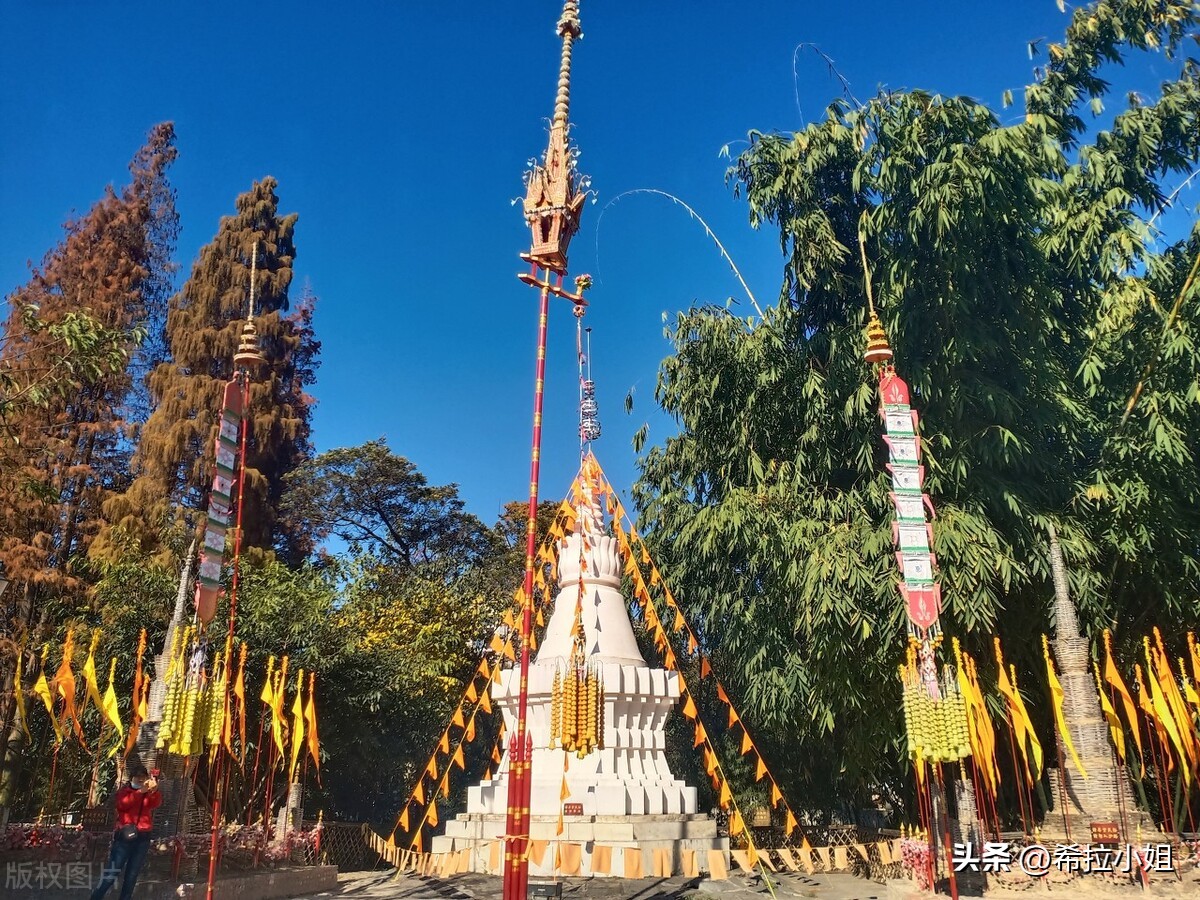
(399,132)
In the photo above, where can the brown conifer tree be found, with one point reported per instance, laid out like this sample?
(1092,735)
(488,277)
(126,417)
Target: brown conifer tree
(173,464)
(70,336)
(64,453)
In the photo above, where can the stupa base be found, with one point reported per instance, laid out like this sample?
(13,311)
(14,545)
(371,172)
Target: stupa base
(672,834)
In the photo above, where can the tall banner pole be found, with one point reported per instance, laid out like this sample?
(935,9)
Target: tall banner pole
(554,198)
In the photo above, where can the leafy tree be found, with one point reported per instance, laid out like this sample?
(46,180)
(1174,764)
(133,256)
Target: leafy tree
(379,503)
(1019,276)
(174,458)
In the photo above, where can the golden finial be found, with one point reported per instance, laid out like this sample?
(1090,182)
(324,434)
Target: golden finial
(554,192)
(878,350)
(570,31)
(248,355)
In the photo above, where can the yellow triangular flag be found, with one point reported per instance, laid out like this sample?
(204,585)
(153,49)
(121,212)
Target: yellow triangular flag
(108,705)
(89,677)
(1056,697)
(297,725)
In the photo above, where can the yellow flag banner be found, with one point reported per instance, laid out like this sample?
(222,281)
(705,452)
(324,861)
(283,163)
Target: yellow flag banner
(278,721)
(42,690)
(1115,731)
(297,726)
(267,695)
(239,694)
(135,704)
(1147,707)
(1035,746)
(108,705)
(1114,680)
(1016,722)
(1164,715)
(310,724)
(1175,702)
(91,684)
(1056,702)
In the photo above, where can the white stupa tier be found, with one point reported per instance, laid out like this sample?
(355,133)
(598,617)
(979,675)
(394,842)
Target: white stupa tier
(623,795)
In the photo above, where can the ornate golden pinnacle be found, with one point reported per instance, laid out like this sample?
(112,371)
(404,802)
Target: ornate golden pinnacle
(554,196)
(878,350)
(248,355)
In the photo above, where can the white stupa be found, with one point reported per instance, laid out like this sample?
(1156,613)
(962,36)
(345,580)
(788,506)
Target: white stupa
(623,795)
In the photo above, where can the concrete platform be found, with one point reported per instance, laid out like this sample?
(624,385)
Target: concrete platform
(674,833)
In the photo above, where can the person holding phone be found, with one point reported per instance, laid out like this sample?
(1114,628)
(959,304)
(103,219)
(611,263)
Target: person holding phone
(136,802)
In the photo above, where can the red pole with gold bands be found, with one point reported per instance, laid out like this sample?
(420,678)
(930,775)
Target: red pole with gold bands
(554,198)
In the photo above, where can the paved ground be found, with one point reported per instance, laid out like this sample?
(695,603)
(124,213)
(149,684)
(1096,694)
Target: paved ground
(387,886)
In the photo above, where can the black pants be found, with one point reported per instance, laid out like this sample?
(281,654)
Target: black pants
(124,859)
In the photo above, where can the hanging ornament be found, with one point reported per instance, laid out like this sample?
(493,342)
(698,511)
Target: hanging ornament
(935,714)
(589,424)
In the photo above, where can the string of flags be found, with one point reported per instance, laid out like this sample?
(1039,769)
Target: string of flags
(680,626)
(633,862)
(476,696)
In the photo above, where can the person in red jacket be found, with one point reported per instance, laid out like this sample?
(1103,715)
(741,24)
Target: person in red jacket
(136,802)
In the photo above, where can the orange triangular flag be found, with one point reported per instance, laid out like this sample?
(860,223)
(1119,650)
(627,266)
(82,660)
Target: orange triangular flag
(791,824)
(458,718)
(701,735)
(470,735)
(721,695)
(776,794)
(689,707)
(747,744)
(485,700)
(760,770)
(458,758)
(726,795)
(403,820)
(496,754)
(444,743)
(432,817)
(705,668)
(733,717)
(736,823)
(472,694)
(431,769)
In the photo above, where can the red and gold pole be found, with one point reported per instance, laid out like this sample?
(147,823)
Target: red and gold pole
(247,357)
(554,197)
(520,785)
